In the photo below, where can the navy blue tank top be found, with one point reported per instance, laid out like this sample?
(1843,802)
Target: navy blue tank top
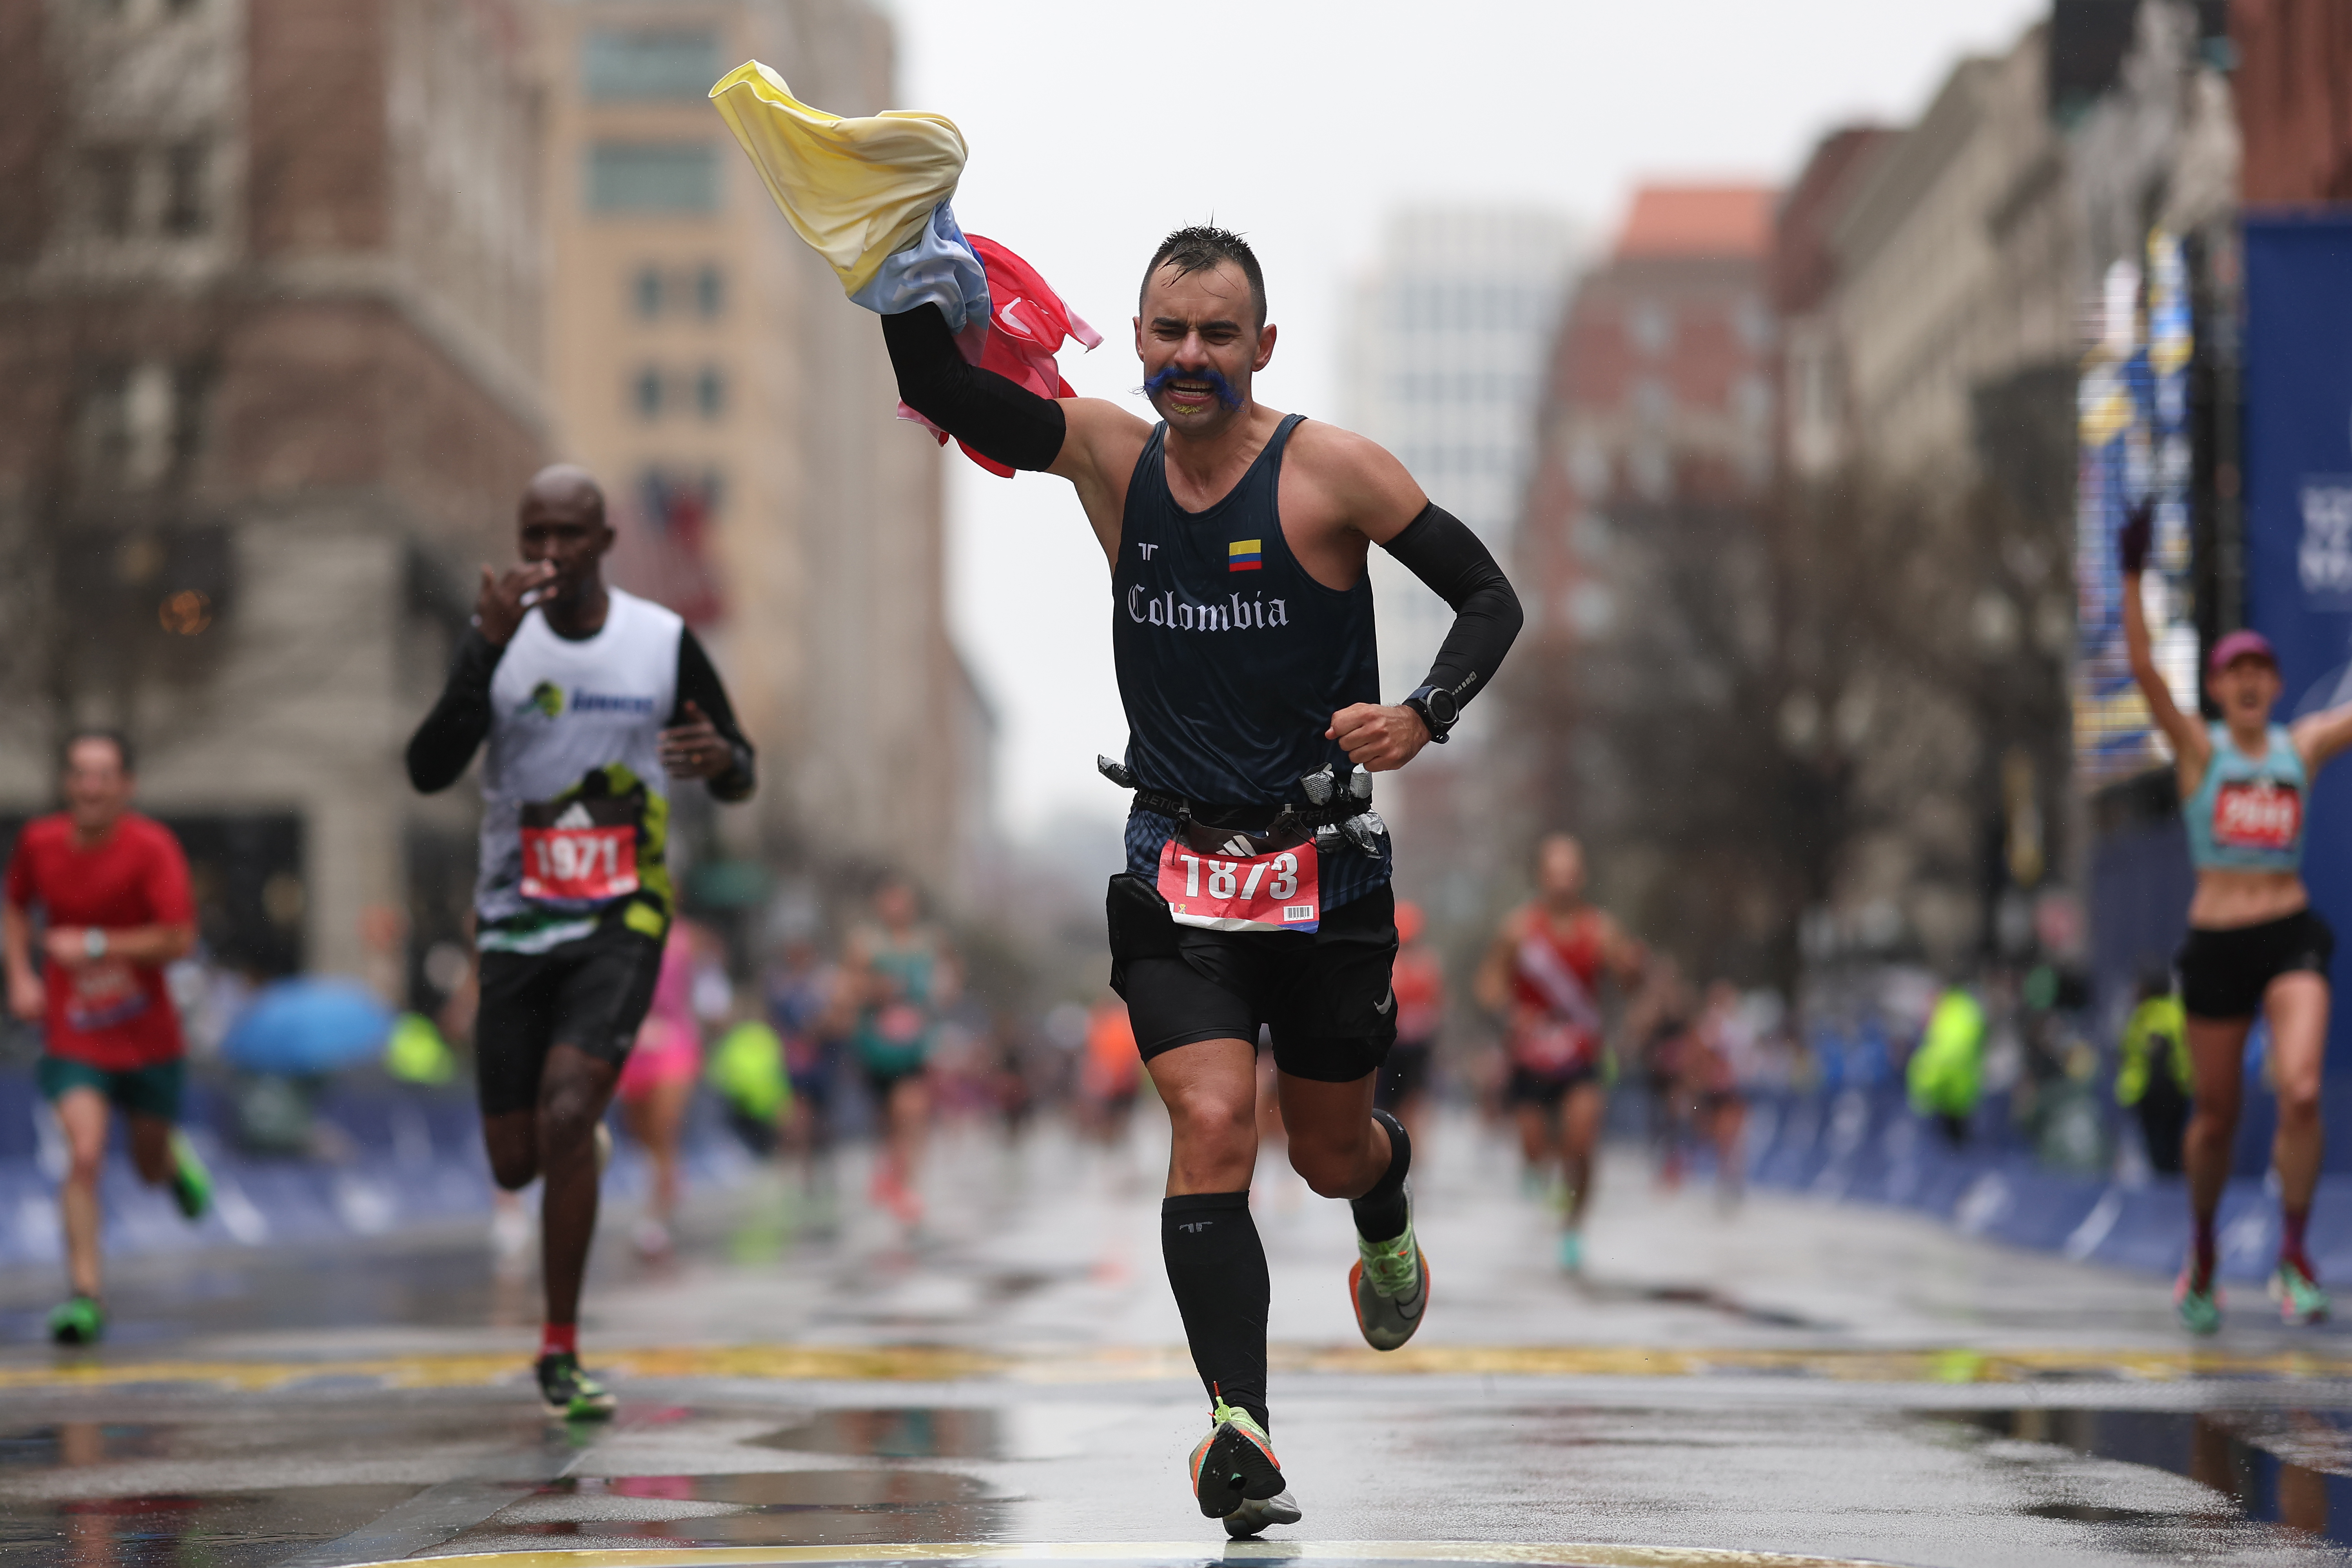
(1230,657)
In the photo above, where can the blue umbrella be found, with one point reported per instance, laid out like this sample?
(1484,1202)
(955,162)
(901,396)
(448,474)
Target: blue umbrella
(309,1026)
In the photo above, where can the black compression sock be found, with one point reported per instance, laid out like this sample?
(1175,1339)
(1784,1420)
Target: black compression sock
(1216,1266)
(1381,1213)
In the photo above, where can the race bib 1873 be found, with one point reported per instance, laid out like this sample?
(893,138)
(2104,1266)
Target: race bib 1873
(1273,891)
(585,850)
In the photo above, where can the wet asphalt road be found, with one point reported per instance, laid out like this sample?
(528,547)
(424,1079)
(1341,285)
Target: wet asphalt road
(806,1379)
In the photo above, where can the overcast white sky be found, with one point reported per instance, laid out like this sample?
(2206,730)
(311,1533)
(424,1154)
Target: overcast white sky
(1096,126)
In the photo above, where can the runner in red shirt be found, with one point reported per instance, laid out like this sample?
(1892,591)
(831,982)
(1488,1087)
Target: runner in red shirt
(112,887)
(1543,974)
(1419,982)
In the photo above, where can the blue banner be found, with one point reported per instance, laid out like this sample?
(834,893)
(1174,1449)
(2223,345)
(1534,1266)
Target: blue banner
(2298,532)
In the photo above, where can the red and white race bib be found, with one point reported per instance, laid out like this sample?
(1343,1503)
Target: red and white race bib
(106,992)
(2257,815)
(585,851)
(1273,892)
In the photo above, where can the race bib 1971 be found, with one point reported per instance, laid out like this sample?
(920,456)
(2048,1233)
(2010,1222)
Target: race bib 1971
(583,850)
(2259,814)
(1273,892)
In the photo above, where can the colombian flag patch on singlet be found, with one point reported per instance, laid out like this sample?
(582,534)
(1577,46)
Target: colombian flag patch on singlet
(1243,555)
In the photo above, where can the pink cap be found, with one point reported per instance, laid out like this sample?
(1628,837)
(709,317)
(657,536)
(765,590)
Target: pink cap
(2244,643)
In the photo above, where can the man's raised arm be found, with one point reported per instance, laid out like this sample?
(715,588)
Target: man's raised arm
(979,408)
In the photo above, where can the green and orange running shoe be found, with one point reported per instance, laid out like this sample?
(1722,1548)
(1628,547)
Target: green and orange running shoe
(569,1394)
(79,1322)
(2200,1305)
(192,1185)
(2300,1300)
(1389,1288)
(1236,1478)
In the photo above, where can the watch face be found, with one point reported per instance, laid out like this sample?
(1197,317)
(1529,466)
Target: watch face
(1443,707)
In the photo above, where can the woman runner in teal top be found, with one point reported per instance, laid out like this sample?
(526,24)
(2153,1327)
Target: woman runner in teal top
(898,976)
(2255,945)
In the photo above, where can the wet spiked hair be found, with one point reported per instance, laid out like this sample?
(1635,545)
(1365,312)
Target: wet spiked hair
(1200,248)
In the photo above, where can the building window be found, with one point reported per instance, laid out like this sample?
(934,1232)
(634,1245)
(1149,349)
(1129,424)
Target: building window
(645,392)
(653,177)
(646,290)
(109,173)
(710,391)
(187,209)
(672,64)
(709,290)
(141,423)
(1651,326)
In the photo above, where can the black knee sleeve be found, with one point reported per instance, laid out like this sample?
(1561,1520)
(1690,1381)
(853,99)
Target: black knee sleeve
(1216,1266)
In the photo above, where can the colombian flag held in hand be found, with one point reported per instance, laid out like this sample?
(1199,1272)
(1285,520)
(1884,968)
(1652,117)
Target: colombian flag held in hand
(1243,555)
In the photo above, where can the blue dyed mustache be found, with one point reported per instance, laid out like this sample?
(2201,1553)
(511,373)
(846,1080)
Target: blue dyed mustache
(1217,384)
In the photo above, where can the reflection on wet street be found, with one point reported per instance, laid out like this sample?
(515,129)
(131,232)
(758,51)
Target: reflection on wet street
(1833,1383)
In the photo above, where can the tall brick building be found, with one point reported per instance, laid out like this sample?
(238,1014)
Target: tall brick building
(2294,93)
(1653,439)
(269,320)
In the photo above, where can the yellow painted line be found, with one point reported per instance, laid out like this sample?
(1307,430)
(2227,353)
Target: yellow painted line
(920,1363)
(1580,1554)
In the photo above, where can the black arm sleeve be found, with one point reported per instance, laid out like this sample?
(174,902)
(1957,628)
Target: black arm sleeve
(698,683)
(1439,548)
(993,416)
(446,741)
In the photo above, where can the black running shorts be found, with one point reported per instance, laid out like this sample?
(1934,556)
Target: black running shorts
(1324,994)
(2223,973)
(590,994)
(1405,1074)
(1528,1086)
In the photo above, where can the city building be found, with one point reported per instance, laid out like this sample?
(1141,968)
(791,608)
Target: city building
(703,362)
(269,360)
(1445,351)
(2294,98)
(1653,447)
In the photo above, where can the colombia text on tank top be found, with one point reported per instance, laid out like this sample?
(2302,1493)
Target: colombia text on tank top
(575,805)
(1230,657)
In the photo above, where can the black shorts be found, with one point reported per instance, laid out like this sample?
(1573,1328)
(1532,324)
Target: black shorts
(1324,994)
(1405,1075)
(590,994)
(1528,1086)
(2223,973)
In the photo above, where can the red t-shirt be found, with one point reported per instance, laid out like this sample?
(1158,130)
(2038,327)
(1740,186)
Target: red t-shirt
(111,1014)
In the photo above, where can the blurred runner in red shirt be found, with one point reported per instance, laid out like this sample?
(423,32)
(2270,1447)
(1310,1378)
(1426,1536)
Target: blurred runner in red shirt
(112,887)
(1419,982)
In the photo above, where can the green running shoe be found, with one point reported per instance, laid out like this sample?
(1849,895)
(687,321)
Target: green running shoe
(2300,1300)
(569,1394)
(1390,1287)
(2200,1307)
(79,1322)
(1236,1478)
(192,1185)
(1571,1251)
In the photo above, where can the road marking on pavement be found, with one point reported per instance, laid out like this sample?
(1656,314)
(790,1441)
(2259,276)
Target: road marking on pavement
(1186,1553)
(926,1364)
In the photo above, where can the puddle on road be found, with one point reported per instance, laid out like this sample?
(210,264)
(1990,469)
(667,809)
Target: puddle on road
(791,1508)
(2289,1467)
(913,1432)
(240,1529)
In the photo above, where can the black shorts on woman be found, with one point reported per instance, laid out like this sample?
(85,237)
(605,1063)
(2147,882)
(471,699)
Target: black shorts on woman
(2225,972)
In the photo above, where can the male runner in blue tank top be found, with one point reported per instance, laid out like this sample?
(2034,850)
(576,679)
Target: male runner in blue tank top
(1242,624)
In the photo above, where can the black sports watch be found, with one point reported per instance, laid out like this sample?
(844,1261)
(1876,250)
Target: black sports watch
(1438,709)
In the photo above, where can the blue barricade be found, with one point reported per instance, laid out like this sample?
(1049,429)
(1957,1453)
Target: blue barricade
(402,1157)
(1864,1145)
